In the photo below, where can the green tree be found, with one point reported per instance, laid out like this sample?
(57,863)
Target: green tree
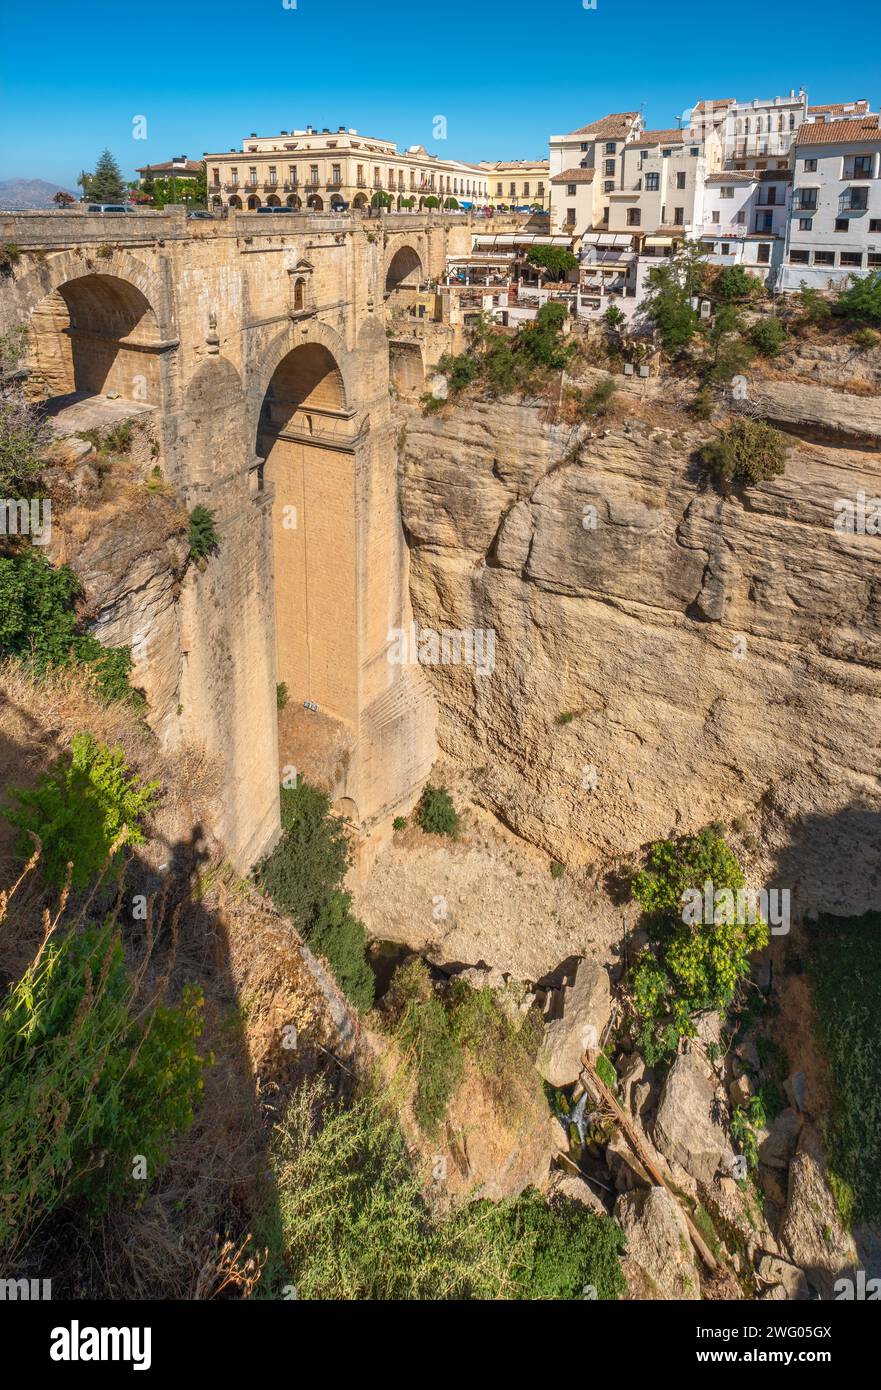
(432,202)
(727,354)
(768,336)
(436,813)
(556,260)
(861,302)
(734,283)
(668,306)
(106,185)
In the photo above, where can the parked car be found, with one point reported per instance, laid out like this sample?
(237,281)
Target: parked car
(275,210)
(200,215)
(109,207)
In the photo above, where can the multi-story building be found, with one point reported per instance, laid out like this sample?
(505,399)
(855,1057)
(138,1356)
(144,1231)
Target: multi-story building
(835,217)
(326,170)
(585,167)
(518,183)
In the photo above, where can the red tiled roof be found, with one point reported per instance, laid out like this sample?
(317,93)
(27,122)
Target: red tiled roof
(721,105)
(838,132)
(169,167)
(616,125)
(840,108)
(574,176)
(662,137)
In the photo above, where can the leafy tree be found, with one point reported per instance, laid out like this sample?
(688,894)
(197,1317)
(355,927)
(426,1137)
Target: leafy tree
(106,185)
(432,202)
(734,283)
(436,813)
(451,203)
(460,370)
(63,199)
(88,1079)
(554,259)
(768,336)
(668,306)
(80,809)
(745,452)
(690,965)
(381,199)
(203,533)
(728,353)
(613,317)
(861,303)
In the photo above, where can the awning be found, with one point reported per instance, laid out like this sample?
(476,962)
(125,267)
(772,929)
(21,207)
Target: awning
(659,241)
(611,239)
(520,239)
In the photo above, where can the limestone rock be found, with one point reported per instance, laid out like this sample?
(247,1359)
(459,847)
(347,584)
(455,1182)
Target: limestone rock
(796,1088)
(685,1129)
(627,1172)
(586,1009)
(659,1261)
(777,1149)
(787,1282)
(812,1230)
(577,1190)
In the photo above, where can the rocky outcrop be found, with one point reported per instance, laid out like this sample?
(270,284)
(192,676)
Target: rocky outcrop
(705,650)
(586,1008)
(816,412)
(812,1230)
(659,1260)
(685,1130)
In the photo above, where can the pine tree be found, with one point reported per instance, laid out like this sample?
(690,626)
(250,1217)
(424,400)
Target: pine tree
(106,184)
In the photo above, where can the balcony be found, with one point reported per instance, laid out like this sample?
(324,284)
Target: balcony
(334,183)
(853,200)
(271,185)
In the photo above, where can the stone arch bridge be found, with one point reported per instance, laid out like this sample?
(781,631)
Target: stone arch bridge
(262,346)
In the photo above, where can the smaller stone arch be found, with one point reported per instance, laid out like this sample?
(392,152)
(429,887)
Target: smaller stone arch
(315,203)
(273,201)
(236,203)
(346,809)
(337,203)
(359,200)
(294,201)
(253,203)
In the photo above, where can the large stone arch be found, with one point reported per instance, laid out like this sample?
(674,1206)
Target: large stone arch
(53,271)
(273,353)
(403,269)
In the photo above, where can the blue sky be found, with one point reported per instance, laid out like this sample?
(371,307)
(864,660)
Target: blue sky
(504,73)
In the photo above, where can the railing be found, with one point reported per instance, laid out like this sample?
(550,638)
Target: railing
(848,201)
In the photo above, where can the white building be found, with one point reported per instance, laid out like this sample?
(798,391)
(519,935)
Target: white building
(585,166)
(835,218)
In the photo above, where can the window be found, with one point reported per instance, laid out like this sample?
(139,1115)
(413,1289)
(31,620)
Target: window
(273,174)
(634,217)
(792,120)
(841,224)
(606,215)
(335,173)
(609,186)
(875,224)
(498,190)
(570,190)
(610,147)
(680,180)
(805,224)
(874,259)
(763,255)
(810,166)
(740,217)
(234,177)
(361,174)
(851,258)
(526,190)
(715,215)
(292,175)
(666,153)
(252,173)
(824,258)
(807,199)
(859,199)
(512,189)
(215,176)
(862,166)
(570,216)
(313,173)
(652,182)
(609,166)
(798,258)
(679,217)
(724,249)
(725,192)
(584,146)
(694,151)
(541,188)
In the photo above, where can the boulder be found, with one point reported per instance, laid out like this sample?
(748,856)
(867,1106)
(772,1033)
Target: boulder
(776,1150)
(627,1172)
(784,1282)
(631,1074)
(577,1190)
(659,1259)
(684,1129)
(586,1010)
(740,1090)
(812,1230)
(796,1088)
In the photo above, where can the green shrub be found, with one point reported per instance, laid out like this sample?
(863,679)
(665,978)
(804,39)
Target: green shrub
(689,965)
(88,1080)
(399,823)
(813,307)
(745,1121)
(281,695)
(557,869)
(436,813)
(355,1223)
(203,533)
(702,405)
(735,283)
(598,402)
(24,435)
(303,876)
(460,371)
(768,336)
(861,302)
(79,809)
(866,338)
(745,452)
(424,1032)
(38,624)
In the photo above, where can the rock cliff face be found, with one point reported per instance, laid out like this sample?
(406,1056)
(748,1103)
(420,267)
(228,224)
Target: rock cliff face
(665,656)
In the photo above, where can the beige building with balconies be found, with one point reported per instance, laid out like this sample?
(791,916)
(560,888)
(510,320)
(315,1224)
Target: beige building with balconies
(518,183)
(585,168)
(327,170)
